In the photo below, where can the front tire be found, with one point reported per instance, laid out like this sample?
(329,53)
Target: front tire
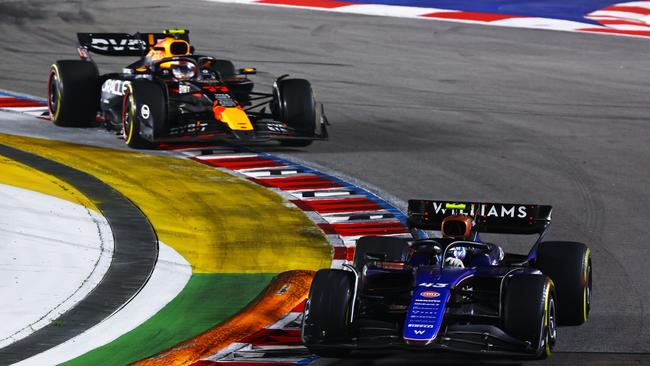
(530,312)
(73,93)
(568,264)
(296,107)
(328,312)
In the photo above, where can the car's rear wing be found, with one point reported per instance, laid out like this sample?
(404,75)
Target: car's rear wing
(501,218)
(124,44)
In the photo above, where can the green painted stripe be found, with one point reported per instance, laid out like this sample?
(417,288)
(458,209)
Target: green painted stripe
(221,296)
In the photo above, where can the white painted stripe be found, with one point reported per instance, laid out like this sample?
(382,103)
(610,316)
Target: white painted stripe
(617,14)
(52,254)
(169,277)
(338,263)
(267,173)
(542,23)
(326,192)
(387,10)
(25,109)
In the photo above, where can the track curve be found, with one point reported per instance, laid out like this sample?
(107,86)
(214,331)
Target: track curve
(134,257)
(434,110)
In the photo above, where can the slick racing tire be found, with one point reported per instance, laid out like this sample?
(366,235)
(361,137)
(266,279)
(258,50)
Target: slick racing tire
(328,312)
(73,93)
(530,312)
(382,248)
(143,106)
(296,107)
(569,266)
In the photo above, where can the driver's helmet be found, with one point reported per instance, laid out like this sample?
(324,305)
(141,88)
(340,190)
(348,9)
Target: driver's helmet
(180,70)
(457,227)
(457,252)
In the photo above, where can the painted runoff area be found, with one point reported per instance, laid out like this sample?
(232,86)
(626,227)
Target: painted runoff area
(53,252)
(598,16)
(199,212)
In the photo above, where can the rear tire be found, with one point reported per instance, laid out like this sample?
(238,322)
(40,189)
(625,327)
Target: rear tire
(530,312)
(326,319)
(568,264)
(390,248)
(73,93)
(296,107)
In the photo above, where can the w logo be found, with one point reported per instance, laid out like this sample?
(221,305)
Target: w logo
(419,332)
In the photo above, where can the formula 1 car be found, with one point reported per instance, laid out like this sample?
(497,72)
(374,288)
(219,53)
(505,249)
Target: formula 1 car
(420,293)
(171,94)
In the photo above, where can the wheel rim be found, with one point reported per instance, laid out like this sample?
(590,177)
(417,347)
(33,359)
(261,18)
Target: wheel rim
(54,95)
(552,324)
(127,115)
(588,291)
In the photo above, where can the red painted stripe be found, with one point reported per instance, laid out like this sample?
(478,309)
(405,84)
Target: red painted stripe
(340,205)
(368,228)
(297,183)
(249,162)
(6,102)
(627,9)
(343,253)
(300,308)
(468,15)
(326,4)
(617,31)
(274,337)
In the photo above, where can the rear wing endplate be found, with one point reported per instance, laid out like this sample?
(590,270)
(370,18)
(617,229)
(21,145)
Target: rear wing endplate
(124,44)
(500,218)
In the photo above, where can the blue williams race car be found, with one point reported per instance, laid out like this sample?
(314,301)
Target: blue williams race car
(457,292)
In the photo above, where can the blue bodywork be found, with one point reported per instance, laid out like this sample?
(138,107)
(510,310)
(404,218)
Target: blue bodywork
(430,296)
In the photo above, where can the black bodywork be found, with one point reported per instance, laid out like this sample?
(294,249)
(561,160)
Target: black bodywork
(187,109)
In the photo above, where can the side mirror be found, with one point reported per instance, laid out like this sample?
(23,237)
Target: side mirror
(248,71)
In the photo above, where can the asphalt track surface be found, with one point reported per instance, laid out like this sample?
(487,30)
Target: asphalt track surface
(134,257)
(427,109)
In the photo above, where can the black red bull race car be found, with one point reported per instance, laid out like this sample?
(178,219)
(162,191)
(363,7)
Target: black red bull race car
(455,293)
(172,94)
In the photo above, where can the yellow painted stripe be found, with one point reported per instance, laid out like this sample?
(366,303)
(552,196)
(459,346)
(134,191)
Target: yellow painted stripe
(22,176)
(286,292)
(218,222)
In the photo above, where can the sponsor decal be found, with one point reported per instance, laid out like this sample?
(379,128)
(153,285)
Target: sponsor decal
(115,87)
(111,44)
(419,332)
(183,88)
(429,326)
(488,210)
(224,100)
(277,127)
(189,128)
(144,111)
(429,294)
(436,285)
